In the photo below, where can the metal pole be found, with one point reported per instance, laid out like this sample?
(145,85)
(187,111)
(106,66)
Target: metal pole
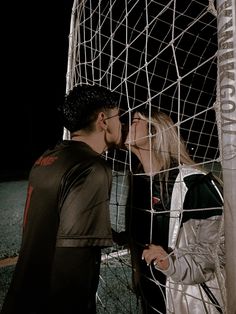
(71,58)
(226,26)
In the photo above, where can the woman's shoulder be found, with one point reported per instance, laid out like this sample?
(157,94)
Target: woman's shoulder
(188,170)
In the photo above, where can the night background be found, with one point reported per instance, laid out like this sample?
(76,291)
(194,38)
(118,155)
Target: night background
(33,80)
(34,54)
(34,65)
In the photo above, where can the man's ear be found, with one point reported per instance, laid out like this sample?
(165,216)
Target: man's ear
(101,121)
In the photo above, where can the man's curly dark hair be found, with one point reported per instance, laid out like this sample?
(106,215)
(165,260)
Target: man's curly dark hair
(83,103)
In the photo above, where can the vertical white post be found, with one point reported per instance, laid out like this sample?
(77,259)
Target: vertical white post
(226,26)
(71,59)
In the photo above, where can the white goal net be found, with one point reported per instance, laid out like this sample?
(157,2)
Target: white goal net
(161,54)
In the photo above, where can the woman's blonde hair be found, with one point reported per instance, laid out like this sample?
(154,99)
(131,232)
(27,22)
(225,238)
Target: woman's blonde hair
(167,144)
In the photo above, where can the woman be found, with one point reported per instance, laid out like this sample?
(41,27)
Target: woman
(166,223)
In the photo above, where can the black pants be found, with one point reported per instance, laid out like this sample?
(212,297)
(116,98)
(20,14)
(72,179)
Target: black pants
(149,285)
(152,294)
(75,280)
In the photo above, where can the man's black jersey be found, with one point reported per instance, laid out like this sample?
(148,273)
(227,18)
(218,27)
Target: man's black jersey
(67,206)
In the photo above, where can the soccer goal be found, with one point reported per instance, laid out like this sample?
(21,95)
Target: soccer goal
(178,56)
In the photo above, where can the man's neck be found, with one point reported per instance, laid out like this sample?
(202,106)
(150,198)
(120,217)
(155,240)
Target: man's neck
(94,140)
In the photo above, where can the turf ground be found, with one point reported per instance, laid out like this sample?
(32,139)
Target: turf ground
(114,293)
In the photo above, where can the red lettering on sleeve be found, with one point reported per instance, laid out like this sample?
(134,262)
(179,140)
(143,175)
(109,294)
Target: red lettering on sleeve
(28,199)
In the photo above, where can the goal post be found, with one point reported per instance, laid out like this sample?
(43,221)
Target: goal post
(177,56)
(226,28)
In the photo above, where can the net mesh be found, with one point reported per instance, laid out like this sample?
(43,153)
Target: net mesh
(159,54)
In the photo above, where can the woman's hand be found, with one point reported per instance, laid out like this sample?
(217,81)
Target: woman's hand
(157,255)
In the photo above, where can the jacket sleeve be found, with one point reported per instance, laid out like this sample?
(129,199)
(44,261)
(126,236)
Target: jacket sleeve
(200,247)
(196,262)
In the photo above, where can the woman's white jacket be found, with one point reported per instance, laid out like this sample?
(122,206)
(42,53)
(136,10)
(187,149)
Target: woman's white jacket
(195,277)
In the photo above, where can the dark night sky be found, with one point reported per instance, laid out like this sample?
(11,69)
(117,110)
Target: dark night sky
(33,70)
(34,50)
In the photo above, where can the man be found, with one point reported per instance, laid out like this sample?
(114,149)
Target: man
(66,218)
